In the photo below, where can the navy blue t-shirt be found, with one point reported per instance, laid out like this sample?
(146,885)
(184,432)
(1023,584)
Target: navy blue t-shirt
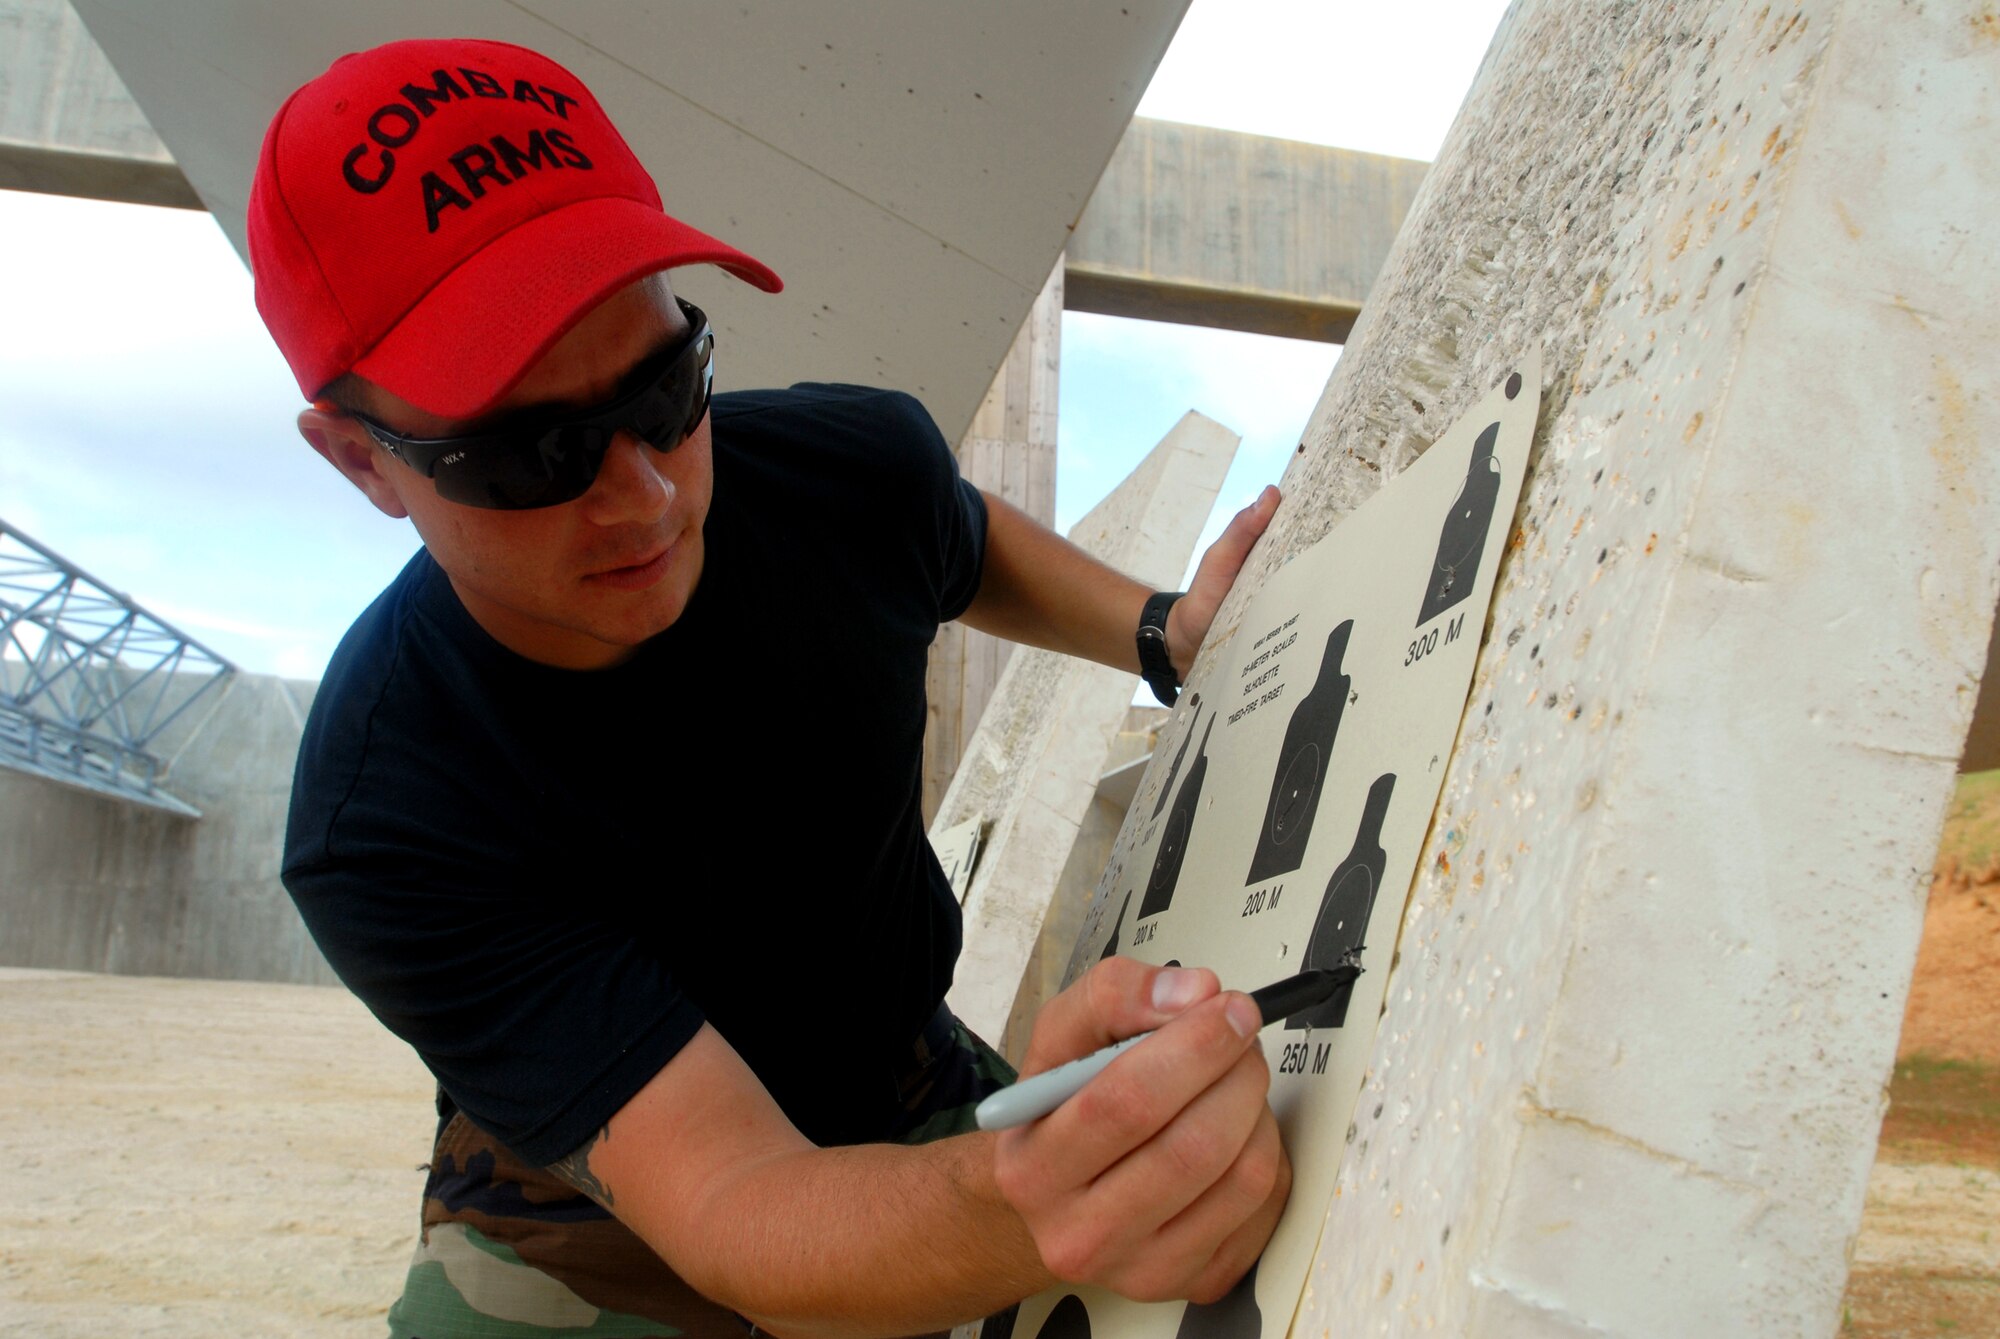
(546,880)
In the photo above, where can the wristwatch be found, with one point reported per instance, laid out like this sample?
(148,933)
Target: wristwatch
(1154,664)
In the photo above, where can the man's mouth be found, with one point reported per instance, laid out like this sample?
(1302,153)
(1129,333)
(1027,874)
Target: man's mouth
(638,575)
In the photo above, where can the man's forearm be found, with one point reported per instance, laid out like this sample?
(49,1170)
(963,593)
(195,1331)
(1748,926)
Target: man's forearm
(940,1245)
(1039,589)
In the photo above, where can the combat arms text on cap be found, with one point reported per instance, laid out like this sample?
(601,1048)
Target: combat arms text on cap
(434,215)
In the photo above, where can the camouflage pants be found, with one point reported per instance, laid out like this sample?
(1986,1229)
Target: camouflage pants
(509,1252)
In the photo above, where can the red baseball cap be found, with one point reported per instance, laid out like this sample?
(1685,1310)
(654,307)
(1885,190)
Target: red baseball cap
(433,215)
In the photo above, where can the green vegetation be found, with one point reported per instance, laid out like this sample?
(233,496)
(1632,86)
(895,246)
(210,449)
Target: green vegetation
(1971,842)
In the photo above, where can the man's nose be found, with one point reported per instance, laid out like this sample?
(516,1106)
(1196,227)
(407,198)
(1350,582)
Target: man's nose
(628,487)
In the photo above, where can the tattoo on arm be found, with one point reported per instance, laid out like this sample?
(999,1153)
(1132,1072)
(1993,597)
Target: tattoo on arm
(573,1169)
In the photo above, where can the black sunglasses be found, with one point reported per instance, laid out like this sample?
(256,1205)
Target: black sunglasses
(554,458)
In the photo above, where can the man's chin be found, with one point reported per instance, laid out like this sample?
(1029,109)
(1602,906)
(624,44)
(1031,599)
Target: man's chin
(656,600)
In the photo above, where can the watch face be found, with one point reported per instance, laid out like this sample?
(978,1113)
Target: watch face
(1153,658)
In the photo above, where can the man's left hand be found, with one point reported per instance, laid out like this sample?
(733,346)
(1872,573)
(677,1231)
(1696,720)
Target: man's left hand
(1189,619)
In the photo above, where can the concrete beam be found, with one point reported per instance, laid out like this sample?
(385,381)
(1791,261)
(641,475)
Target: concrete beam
(1210,227)
(68,126)
(1030,771)
(1188,224)
(1647,991)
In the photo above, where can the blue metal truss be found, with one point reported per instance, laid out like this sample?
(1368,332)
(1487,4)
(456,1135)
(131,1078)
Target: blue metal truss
(89,680)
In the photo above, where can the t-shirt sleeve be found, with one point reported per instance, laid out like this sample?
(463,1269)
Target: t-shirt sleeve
(539,1024)
(879,466)
(949,507)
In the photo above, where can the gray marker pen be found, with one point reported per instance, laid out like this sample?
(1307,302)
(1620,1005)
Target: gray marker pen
(1033,1098)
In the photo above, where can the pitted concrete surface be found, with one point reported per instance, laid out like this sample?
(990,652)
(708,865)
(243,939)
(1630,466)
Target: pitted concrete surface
(1629,1074)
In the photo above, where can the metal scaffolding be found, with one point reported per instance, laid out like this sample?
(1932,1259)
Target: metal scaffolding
(89,680)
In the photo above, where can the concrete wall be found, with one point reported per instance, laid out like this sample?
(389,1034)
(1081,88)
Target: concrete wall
(1646,995)
(102,885)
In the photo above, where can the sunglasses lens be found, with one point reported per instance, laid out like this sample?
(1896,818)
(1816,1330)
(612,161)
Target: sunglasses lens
(657,418)
(554,467)
(672,407)
(516,471)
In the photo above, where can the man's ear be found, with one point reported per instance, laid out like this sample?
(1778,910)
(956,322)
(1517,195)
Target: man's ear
(340,438)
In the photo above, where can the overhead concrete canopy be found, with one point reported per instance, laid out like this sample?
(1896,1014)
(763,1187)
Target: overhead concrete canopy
(1212,227)
(912,169)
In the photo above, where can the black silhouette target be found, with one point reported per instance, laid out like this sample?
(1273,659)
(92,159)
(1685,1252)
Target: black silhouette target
(1180,755)
(1117,931)
(1174,838)
(1349,900)
(1235,1316)
(1167,864)
(1296,790)
(1069,1319)
(1302,759)
(1000,1325)
(1463,537)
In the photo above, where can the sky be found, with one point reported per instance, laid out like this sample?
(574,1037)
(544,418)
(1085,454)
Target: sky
(146,420)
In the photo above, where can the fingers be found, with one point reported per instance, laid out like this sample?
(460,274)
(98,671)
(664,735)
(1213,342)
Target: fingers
(1188,1211)
(1164,1175)
(1118,998)
(1189,1159)
(1225,557)
(1234,1200)
(1188,621)
(1175,1078)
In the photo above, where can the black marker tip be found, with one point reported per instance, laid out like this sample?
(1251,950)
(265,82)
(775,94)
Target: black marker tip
(1296,994)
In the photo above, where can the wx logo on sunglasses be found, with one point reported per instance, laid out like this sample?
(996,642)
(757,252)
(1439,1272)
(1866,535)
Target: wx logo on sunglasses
(554,458)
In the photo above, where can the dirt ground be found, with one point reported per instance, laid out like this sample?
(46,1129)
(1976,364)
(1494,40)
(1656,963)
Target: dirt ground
(1928,1262)
(1954,1010)
(198,1158)
(201,1158)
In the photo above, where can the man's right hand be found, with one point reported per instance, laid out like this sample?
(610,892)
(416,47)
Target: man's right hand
(1164,1176)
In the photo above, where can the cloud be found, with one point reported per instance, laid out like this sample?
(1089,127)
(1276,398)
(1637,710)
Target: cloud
(1378,78)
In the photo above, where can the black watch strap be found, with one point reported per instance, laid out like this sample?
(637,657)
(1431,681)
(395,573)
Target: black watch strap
(1154,664)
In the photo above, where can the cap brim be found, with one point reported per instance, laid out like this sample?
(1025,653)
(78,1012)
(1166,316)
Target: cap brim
(472,337)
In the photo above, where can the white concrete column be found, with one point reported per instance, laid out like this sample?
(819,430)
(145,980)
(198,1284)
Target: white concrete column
(1031,770)
(1010,451)
(1630,1072)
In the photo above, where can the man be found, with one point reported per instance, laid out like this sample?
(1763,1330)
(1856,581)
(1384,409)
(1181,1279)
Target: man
(608,805)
